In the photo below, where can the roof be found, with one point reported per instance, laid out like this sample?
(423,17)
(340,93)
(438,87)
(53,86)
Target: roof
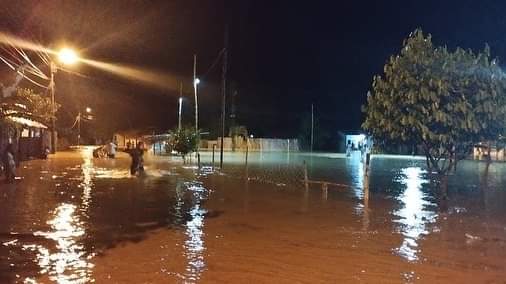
(27,122)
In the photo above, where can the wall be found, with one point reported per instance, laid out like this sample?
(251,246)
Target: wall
(253,144)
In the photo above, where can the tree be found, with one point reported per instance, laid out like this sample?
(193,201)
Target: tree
(441,100)
(26,104)
(184,141)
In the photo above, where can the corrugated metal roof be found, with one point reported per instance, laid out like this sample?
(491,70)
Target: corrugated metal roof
(27,122)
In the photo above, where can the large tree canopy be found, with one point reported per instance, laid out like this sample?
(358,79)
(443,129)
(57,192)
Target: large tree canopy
(444,101)
(184,141)
(26,104)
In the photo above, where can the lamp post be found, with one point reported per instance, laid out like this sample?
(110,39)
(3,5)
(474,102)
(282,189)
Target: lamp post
(53,109)
(179,113)
(180,107)
(66,56)
(196,81)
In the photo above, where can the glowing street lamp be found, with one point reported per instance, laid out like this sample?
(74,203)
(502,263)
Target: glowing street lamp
(88,110)
(68,56)
(179,112)
(196,82)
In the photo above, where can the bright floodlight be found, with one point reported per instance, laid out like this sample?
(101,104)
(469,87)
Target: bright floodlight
(67,56)
(88,109)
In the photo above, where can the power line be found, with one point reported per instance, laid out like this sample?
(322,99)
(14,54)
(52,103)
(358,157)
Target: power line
(214,63)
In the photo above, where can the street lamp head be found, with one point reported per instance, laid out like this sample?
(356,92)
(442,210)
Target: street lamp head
(197,81)
(88,109)
(67,56)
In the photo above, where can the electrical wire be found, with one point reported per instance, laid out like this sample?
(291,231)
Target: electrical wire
(214,63)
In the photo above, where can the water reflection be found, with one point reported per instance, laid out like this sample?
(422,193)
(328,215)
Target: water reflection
(355,168)
(415,213)
(360,186)
(194,244)
(87,183)
(69,263)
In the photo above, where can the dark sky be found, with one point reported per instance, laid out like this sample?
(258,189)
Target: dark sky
(283,55)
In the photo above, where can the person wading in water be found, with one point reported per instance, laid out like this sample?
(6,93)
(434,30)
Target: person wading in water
(137,158)
(9,164)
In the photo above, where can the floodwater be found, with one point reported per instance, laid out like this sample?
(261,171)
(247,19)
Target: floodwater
(75,219)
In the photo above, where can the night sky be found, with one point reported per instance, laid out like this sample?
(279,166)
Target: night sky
(283,55)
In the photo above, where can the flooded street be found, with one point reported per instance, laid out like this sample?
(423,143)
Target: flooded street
(75,219)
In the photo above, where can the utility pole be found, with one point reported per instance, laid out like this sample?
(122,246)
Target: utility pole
(180,106)
(53,108)
(223,93)
(312,126)
(195,82)
(79,130)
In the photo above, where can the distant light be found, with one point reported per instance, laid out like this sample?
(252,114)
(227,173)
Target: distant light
(251,136)
(180,100)
(197,81)
(88,109)
(67,56)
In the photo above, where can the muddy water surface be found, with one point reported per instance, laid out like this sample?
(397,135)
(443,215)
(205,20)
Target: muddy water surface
(75,219)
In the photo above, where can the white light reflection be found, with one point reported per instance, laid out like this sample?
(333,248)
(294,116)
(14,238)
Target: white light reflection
(355,168)
(86,184)
(194,244)
(415,214)
(68,264)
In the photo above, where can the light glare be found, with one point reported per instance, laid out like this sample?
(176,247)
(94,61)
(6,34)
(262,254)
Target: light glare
(67,56)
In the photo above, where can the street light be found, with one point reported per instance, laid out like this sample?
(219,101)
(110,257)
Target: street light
(180,111)
(196,82)
(68,57)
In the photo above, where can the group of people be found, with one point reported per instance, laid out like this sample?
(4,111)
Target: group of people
(136,152)
(362,147)
(108,150)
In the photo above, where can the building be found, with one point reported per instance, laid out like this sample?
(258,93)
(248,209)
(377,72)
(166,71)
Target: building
(30,138)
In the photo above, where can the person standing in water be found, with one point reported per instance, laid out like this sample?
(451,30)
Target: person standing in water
(137,159)
(111,150)
(9,164)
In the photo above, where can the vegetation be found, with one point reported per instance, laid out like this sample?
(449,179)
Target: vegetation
(443,101)
(184,141)
(26,104)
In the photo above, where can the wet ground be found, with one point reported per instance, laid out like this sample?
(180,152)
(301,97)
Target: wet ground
(75,219)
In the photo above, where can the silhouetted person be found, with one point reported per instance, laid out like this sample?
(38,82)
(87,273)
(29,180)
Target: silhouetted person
(137,159)
(45,153)
(111,150)
(9,163)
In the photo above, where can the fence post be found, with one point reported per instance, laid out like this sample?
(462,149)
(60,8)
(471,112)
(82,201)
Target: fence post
(247,151)
(198,159)
(306,182)
(214,148)
(325,190)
